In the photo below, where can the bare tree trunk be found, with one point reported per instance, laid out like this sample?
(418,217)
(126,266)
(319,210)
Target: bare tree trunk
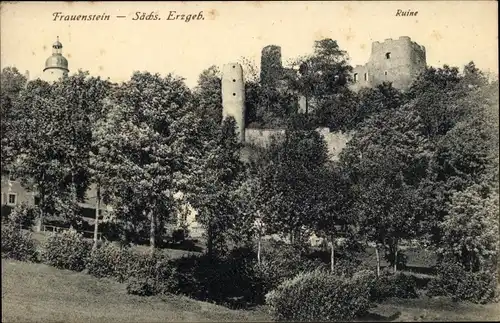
(396,256)
(97,208)
(38,226)
(75,198)
(332,254)
(39,220)
(258,249)
(209,242)
(152,231)
(378,260)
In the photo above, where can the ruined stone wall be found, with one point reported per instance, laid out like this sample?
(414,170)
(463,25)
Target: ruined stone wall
(361,77)
(261,137)
(335,141)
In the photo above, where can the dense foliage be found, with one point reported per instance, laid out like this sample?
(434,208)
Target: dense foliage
(66,250)
(16,243)
(319,296)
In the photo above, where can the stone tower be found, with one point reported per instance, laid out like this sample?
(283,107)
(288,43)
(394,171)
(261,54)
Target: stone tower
(395,60)
(56,66)
(398,61)
(233,96)
(271,68)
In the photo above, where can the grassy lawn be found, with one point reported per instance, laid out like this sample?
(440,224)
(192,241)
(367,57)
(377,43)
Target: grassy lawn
(36,292)
(437,309)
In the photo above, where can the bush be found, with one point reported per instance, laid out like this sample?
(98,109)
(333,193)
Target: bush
(232,281)
(150,274)
(320,296)
(190,274)
(281,262)
(241,277)
(17,244)
(394,285)
(24,215)
(141,286)
(111,260)
(67,250)
(462,285)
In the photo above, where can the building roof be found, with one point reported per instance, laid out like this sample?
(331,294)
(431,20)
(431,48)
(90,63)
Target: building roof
(57,60)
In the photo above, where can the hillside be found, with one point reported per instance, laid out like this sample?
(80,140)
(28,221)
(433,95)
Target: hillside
(36,292)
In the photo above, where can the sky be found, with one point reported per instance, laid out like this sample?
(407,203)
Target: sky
(453,32)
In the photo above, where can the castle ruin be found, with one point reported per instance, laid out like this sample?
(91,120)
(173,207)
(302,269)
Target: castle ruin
(397,61)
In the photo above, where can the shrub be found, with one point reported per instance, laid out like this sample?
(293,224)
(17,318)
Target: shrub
(394,285)
(241,278)
(366,278)
(232,280)
(281,262)
(190,274)
(67,250)
(150,274)
(17,244)
(111,260)
(24,215)
(320,296)
(140,286)
(459,284)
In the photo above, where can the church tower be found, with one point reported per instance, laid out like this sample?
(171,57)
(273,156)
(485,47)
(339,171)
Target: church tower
(56,66)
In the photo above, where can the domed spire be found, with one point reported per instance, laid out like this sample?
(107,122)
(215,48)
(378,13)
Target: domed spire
(57,47)
(57,60)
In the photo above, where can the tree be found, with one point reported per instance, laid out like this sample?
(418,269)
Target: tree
(268,105)
(462,134)
(247,224)
(470,229)
(288,178)
(376,100)
(212,192)
(55,139)
(433,95)
(322,78)
(387,161)
(12,83)
(207,95)
(43,146)
(81,97)
(144,147)
(334,203)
